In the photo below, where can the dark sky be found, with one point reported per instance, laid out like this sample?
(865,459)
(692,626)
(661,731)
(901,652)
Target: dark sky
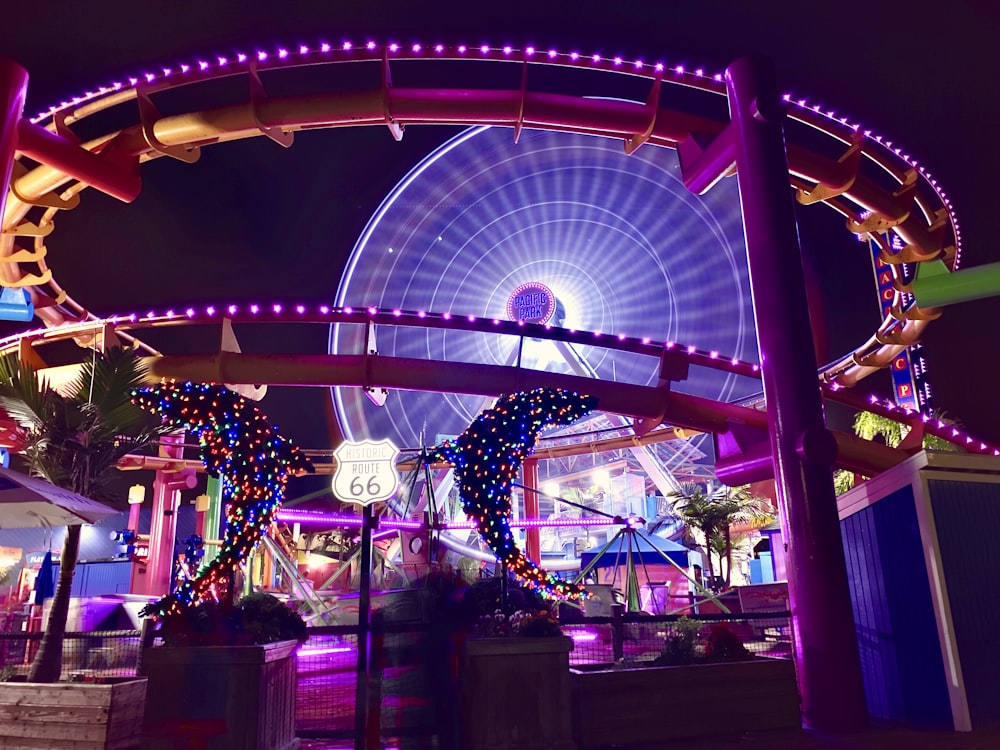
(919,74)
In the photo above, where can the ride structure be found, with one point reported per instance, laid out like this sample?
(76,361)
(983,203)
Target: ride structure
(858,173)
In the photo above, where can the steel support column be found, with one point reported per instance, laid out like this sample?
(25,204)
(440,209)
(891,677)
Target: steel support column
(826,651)
(13,89)
(533,541)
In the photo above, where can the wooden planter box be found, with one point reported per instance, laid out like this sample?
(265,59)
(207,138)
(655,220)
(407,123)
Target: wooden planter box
(78,715)
(639,707)
(232,697)
(514,693)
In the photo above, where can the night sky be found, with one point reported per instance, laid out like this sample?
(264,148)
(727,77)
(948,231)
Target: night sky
(251,221)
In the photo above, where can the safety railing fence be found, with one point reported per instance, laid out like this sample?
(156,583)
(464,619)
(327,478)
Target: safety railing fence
(412,662)
(636,639)
(93,656)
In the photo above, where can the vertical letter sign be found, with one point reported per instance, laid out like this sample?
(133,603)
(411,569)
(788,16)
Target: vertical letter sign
(366,472)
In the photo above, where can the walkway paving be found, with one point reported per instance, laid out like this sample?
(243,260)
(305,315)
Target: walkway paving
(876,738)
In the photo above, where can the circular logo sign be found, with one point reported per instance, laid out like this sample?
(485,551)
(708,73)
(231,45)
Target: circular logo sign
(532,302)
(366,472)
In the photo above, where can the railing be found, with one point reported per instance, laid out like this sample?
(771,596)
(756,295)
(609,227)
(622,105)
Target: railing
(411,661)
(86,656)
(627,640)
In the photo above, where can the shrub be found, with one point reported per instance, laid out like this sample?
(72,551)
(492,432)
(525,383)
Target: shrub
(724,645)
(680,646)
(258,618)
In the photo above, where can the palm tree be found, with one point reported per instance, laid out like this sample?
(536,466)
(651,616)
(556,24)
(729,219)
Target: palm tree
(75,437)
(740,507)
(869,426)
(698,511)
(715,516)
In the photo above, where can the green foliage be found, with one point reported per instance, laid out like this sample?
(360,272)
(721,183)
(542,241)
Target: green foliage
(258,618)
(714,516)
(842,481)
(267,619)
(77,435)
(680,644)
(869,426)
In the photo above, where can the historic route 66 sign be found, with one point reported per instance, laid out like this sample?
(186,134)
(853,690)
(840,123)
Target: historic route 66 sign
(366,472)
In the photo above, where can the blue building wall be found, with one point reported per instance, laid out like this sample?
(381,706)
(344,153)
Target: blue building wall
(967,516)
(897,636)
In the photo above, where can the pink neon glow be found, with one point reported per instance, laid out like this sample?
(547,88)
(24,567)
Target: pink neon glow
(583,636)
(484,49)
(294,515)
(306,652)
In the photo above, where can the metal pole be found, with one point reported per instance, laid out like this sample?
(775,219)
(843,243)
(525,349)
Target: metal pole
(13,89)
(361,692)
(828,666)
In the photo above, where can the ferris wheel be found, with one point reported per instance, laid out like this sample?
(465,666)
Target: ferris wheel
(616,242)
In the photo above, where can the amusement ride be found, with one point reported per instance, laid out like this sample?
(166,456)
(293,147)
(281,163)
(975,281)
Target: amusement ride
(586,242)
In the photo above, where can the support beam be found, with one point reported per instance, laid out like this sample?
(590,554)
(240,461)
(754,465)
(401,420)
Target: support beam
(13,89)
(826,649)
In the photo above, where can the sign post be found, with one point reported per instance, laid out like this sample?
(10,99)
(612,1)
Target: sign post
(365,474)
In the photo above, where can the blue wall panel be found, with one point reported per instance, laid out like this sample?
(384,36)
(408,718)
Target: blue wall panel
(967,516)
(891,597)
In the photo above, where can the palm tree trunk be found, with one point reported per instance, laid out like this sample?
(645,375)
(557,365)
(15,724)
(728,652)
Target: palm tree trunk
(708,554)
(48,661)
(729,556)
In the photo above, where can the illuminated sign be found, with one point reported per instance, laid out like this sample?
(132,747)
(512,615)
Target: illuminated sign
(366,471)
(903,381)
(531,303)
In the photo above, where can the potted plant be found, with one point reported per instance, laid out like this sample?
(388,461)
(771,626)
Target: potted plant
(705,682)
(513,681)
(226,674)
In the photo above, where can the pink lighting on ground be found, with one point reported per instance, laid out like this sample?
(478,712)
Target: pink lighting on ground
(583,636)
(307,652)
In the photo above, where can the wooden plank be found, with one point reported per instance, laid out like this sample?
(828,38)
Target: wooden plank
(31,693)
(55,714)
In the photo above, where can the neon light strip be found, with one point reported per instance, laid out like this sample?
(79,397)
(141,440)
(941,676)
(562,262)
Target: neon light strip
(292,515)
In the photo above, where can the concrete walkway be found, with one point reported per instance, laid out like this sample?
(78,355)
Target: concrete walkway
(876,738)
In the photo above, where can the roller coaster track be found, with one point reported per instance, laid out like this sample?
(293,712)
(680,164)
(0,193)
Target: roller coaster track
(649,406)
(879,188)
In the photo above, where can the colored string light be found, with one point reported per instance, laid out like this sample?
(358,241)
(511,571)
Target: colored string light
(254,462)
(487,457)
